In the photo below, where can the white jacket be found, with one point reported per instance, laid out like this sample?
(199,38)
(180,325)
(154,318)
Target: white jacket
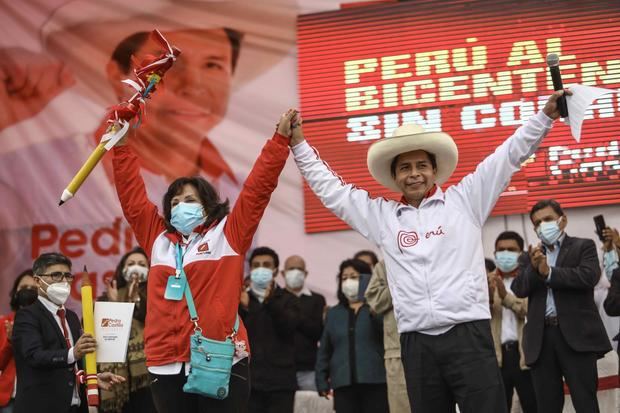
(433,254)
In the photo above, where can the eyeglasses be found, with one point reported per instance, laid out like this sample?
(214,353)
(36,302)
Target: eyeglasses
(59,276)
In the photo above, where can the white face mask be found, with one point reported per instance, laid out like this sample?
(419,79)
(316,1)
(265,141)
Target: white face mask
(136,270)
(351,289)
(294,278)
(58,293)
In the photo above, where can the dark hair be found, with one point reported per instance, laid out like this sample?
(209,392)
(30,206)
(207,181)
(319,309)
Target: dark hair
(511,235)
(47,260)
(118,274)
(265,251)
(369,253)
(359,266)
(489,264)
(12,294)
(544,204)
(209,198)
(130,45)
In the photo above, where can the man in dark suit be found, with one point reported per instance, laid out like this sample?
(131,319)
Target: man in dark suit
(49,345)
(612,302)
(271,316)
(310,327)
(564,334)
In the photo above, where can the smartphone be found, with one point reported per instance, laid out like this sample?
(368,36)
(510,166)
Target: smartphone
(599,221)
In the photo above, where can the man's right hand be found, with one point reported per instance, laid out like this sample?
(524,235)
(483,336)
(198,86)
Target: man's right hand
(298,131)
(85,345)
(324,394)
(28,82)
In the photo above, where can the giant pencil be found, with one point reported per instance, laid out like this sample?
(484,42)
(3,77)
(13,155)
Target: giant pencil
(88,317)
(148,75)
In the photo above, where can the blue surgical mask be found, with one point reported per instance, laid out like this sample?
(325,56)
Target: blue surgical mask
(261,278)
(186,216)
(610,262)
(549,232)
(506,261)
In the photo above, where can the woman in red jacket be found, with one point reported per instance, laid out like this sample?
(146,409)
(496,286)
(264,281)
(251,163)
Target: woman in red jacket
(213,241)
(23,293)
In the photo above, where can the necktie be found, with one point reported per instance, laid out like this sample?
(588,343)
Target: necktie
(63,323)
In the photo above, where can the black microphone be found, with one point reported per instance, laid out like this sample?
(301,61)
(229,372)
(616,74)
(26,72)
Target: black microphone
(553,61)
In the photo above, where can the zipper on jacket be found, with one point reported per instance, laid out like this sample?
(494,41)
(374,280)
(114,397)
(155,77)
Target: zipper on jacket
(424,267)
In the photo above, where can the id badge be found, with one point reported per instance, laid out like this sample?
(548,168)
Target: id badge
(175,289)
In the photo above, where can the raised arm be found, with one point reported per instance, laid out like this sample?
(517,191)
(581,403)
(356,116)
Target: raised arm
(352,205)
(480,190)
(258,187)
(139,211)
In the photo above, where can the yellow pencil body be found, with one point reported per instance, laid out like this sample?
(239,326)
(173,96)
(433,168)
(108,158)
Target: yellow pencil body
(83,173)
(88,316)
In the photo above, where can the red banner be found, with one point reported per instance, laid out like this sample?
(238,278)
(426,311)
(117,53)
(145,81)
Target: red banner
(475,70)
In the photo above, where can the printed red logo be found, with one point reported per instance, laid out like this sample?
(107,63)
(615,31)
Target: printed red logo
(203,247)
(111,322)
(407,239)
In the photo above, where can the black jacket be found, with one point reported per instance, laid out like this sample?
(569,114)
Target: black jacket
(572,280)
(309,329)
(45,381)
(271,328)
(612,302)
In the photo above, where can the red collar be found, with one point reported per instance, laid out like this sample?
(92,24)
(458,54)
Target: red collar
(429,194)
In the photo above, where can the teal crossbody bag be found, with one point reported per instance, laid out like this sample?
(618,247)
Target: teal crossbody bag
(211,360)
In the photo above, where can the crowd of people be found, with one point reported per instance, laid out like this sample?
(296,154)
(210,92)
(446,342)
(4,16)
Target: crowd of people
(423,330)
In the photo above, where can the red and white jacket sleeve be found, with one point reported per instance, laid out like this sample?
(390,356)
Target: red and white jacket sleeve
(245,216)
(354,206)
(139,211)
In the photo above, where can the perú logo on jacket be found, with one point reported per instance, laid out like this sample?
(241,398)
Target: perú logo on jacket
(407,239)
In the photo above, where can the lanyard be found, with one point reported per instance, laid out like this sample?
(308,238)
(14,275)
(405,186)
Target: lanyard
(193,315)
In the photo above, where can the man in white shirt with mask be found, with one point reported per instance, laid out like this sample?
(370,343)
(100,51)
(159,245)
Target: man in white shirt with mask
(310,326)
(507,319)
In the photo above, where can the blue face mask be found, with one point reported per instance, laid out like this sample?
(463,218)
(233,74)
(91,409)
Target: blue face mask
(261,277)
(187,216)
(610,262)
(506,261)
(549,232)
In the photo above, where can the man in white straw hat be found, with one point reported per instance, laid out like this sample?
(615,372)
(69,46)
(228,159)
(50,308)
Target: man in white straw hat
(432,244)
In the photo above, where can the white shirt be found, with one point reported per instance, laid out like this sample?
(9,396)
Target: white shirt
(53,308)
(433,253)
(509,320)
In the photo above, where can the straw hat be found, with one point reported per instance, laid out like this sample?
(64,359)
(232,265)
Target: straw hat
(409,138)
(84,33)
